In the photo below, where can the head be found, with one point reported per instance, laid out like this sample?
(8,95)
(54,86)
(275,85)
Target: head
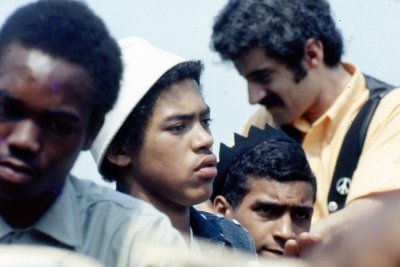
(293,39)
(161,151)
(53,92)
(267,186)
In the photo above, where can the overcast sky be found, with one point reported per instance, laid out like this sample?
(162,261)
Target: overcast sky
(371,30)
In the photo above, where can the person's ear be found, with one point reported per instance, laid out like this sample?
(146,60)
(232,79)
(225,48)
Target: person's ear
(118,155)
(313,53)
(221,205)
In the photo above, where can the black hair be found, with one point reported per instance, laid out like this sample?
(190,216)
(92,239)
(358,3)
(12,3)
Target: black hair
(69,30)
(131,134)
(280,159)
(280,27)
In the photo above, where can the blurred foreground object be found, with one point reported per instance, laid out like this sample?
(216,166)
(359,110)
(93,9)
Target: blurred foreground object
(43,256)
(177,258)
(370,241)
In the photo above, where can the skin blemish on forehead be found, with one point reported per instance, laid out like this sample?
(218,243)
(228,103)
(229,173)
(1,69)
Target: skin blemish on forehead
(55,87)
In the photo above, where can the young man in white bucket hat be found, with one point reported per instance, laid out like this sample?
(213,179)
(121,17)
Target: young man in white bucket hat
(156,143)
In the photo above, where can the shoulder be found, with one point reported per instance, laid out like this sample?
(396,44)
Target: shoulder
(232,231)
(259,118)
(96,198)
(115,226)
(230,227)
(220,219)
(387,112)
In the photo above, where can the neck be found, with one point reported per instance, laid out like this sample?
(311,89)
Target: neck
(22,213)
(334,82)
(179,215)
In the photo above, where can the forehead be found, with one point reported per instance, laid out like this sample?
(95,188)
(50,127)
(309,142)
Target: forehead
(30,71)
(290,193)
(255,59)
(185,95)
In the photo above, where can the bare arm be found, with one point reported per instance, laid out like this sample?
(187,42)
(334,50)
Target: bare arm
(352,214)
(339,224)
(369,241)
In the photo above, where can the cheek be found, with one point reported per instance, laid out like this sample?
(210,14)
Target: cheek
(301,228)
(60,157)
(250,222)
(159,161)
(156,156)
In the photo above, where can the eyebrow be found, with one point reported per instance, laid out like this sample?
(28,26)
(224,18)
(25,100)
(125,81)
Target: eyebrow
(259,72)
(49,113)
(9,97)
(272,204)
(176,117)
(59,114)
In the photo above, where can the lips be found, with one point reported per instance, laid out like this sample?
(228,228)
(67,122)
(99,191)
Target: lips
(16,172)
(269,252)
(207,169)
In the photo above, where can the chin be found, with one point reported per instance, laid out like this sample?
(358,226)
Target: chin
(200,197)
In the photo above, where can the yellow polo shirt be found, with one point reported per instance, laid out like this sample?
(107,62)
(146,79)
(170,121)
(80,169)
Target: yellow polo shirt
(378,168)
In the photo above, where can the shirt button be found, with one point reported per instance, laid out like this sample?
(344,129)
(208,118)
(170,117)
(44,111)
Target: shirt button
(332,206)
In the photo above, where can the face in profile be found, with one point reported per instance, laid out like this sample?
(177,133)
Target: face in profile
(175,164)
(43,121)
(273,212)
(272,84)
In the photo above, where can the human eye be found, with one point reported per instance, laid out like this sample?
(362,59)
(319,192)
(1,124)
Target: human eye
(263,78)
(58,127)
(206,122)
(268,211)
(177,129)
(301,215)
(59,123)
(264,211)
(10,111)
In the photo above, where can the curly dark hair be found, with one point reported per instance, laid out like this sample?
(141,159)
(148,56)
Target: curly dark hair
(132,132)
(280,27)
(69,30)
(280,159)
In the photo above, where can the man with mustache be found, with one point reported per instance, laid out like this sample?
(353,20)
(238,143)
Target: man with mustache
(290,52)
(60,72)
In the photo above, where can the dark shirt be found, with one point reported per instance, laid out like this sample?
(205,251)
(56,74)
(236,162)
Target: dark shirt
(223,231)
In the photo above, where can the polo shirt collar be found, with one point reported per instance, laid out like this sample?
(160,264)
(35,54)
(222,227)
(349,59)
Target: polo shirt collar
(350,93)
(203,228)
(5,229)
(62,221)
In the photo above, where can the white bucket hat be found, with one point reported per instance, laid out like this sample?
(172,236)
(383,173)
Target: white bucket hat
(144,64)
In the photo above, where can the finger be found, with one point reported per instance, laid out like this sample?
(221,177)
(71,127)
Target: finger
(307,242)
(291,248)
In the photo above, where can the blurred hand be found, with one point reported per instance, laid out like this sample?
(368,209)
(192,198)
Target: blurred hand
(301,245)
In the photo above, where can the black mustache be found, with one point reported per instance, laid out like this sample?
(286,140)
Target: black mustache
(272,100)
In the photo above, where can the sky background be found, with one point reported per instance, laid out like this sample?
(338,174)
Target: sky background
(371,30)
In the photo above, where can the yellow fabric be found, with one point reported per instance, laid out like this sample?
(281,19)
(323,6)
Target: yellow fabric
(378,168)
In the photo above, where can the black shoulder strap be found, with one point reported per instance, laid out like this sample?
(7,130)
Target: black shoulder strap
(353,144)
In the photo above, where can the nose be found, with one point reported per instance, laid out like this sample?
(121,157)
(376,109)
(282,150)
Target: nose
(256,92)
(283,230)
(203,139)
(24,137)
